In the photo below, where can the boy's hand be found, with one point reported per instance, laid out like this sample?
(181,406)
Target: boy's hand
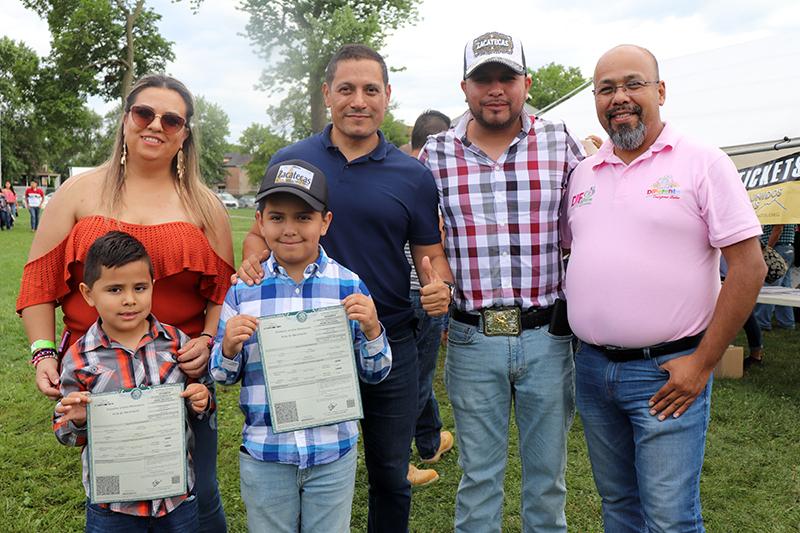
(193,357)
(197,393)
(237,330)
(361,308)
(47,378)
(435,296)
(73,407)
(250,270)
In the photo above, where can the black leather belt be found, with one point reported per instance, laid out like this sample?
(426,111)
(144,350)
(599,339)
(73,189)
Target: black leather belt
(533,318)
(621,355)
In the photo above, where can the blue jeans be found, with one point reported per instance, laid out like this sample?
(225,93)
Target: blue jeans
(34,211)
(646,471)
(182,519)
(784,315)
(429,337)
(484,377)
(204,457)
(283,498)
(390,415)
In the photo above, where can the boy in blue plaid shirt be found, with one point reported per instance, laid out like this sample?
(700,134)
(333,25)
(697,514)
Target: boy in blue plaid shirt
(304,479)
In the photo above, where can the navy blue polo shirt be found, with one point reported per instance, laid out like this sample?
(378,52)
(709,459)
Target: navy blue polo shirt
(379,201)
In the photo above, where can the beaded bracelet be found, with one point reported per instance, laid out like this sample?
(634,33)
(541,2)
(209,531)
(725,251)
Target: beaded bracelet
(43,353)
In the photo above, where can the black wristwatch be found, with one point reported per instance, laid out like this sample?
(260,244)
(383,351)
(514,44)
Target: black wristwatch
(452,287)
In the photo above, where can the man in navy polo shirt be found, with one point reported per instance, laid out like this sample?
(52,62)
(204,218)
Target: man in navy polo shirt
(380,198)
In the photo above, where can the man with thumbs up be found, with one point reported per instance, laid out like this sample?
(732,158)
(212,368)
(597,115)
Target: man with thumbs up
(380,199)
(500,175)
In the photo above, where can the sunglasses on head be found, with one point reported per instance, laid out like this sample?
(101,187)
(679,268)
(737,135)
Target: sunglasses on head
(170,122)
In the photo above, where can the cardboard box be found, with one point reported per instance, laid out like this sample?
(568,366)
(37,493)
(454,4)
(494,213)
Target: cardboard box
(732,363)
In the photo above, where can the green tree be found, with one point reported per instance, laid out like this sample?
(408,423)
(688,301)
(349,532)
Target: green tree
(101,46)
(304,35)
(395,131)
(551,82)
(40,123)
(260,142)
(211,126)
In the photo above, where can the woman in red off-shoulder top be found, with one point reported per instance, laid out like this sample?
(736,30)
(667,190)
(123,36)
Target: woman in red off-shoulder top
(150,188)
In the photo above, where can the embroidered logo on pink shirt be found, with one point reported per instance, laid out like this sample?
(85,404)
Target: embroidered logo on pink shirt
(583,198)
(665,188)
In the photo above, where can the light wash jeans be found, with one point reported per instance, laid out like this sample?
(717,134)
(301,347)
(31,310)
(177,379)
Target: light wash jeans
(283,498)
(646,471)
(485,376)
(784,315)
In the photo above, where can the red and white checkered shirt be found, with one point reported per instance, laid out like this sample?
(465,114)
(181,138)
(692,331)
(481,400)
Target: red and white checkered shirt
(501,217)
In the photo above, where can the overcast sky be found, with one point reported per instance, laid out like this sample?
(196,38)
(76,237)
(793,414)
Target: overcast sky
(216,61)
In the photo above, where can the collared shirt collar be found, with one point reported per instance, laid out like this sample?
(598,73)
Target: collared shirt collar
(377,154)
(668,138)
(314,269)
(96,337)
(460,129)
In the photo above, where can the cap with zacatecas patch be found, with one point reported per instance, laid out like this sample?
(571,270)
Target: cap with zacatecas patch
(494,47)
(296,177)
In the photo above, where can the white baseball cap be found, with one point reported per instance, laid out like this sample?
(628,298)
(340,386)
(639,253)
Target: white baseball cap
(494,47)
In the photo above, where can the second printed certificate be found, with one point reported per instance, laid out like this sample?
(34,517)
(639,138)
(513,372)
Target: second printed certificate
(309,368)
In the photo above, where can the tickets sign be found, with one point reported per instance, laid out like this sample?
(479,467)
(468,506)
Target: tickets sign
(774,189)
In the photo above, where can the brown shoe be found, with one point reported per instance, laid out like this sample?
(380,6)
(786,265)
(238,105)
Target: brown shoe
(445,445)
(420,478)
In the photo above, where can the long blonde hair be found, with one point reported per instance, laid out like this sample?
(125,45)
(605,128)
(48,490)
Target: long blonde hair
(198,200)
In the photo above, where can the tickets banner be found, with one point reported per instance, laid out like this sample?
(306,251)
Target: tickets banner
(774,189)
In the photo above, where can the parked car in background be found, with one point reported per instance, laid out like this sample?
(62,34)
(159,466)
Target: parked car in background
(248,201)
(228,200)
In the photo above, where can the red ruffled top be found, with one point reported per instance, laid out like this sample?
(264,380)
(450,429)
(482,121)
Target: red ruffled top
(188,273)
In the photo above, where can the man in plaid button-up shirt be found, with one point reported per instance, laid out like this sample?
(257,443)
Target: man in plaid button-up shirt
(500,175)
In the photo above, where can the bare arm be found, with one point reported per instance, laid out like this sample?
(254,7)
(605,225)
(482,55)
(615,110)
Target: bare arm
(774,235)
(254,251)
(689,374)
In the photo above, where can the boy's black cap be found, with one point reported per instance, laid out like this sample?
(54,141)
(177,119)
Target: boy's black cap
(299,178)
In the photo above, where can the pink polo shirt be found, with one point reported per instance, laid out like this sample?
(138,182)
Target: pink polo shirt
(645,240)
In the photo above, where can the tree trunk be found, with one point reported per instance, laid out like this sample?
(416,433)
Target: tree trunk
(319,115)
(129,66)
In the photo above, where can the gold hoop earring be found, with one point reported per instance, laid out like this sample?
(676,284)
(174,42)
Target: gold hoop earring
(124,159)
(180,166)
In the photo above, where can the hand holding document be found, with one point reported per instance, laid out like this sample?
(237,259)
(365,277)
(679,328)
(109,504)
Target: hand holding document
(309,368)
(137,444)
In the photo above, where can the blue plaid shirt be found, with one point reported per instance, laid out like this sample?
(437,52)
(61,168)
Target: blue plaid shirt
(325,283)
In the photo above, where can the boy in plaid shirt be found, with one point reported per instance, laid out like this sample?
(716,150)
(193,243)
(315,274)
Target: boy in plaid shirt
(127,347)
(304,479)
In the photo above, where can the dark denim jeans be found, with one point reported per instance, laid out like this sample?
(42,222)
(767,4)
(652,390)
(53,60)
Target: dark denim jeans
(429,337)
(182,519)
(390,409)
(34,211)
(204,455)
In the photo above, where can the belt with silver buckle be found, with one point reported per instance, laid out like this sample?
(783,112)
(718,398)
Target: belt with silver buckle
(506,321)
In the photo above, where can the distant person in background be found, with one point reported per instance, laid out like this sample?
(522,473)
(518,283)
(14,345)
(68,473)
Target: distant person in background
(5,213)
(34,196)
(781,238)
(431,441)
(11,197)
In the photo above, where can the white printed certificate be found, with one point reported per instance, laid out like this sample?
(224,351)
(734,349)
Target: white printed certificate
(309,368)
(137,444)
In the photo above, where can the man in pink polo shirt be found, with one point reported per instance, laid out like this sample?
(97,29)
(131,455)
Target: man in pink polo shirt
(646,218)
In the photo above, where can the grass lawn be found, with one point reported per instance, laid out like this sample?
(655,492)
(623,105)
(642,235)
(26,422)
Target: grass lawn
(750,483)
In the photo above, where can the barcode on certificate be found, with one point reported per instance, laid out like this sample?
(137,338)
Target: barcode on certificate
(107,485)
(286,412)
(351,403)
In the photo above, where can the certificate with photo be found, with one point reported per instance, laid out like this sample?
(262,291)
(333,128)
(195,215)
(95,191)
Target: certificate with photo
(137,444)
(309,368)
